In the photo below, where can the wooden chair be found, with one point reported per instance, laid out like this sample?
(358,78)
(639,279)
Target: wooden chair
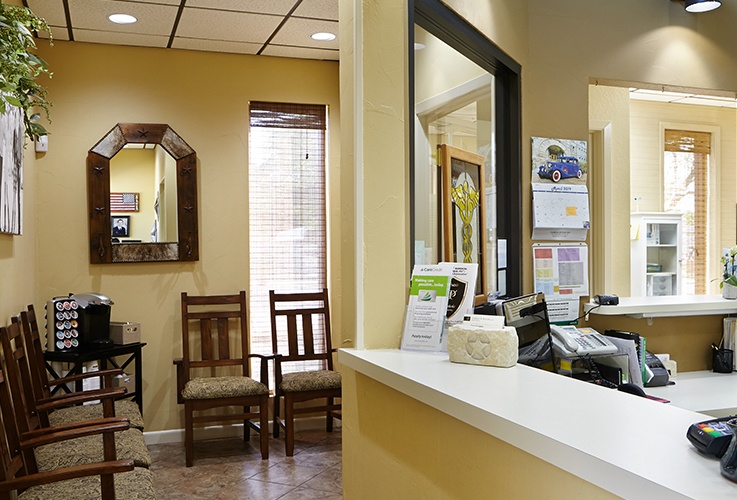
(42,385)
(19,476)
(198,389)
(129,444)
(294,341)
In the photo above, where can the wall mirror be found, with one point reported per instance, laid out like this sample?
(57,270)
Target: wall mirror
(142,196)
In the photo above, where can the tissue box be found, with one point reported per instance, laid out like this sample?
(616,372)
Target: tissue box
(125,380)
(479,345)
(125,332)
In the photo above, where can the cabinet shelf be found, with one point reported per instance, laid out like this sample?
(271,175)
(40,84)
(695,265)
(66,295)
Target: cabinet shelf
(655,245)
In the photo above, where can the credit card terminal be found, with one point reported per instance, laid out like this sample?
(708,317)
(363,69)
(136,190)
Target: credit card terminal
(711,437)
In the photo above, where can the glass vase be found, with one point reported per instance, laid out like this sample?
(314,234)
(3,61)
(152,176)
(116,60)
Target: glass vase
(728,463)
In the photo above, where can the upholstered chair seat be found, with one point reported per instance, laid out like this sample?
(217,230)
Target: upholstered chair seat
(310,381)
(222,387)
(129,445)
(123,408)
(137,484)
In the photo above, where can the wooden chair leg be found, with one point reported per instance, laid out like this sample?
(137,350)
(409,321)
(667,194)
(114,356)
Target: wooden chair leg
(289,424)
(246,425)
(264,431)
(329,417)
(276,416)
(188,435)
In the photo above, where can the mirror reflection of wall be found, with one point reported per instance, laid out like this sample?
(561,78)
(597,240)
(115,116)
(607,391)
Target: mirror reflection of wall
(708,191)
(453,105)
(144,170)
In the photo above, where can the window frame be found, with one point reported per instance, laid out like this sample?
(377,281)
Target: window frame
(443,23)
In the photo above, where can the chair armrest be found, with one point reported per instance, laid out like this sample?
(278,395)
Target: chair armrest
(75,398)
(91,430)
(54,476)
(107,374)
(181,379)
(73,426)
(264,366)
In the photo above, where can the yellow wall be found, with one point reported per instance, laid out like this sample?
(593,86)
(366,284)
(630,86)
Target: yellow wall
(398,448)
(204,98)
(132,171)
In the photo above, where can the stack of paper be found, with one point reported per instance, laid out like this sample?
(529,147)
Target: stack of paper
(729,340)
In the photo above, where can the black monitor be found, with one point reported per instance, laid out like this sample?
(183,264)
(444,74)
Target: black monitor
(528,314)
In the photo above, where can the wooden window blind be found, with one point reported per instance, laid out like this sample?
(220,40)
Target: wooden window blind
(287,226)
(686,190)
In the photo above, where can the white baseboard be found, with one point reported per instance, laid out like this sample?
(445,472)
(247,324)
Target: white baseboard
(228,431)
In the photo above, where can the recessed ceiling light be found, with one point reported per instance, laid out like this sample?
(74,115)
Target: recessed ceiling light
(323,37)
(122,19)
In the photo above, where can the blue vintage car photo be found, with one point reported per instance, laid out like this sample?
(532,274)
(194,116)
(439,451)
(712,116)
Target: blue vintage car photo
(562,168)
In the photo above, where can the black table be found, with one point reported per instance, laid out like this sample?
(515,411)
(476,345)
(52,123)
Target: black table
(104,356)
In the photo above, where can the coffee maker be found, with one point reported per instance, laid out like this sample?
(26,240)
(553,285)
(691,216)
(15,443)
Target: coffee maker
(79,322)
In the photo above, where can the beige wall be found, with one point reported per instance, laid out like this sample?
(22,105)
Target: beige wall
(204,98)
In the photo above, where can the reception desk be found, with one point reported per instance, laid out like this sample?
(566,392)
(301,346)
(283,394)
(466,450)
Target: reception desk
(622,444)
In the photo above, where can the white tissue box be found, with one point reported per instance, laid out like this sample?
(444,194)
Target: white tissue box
(125,332)
(479,345)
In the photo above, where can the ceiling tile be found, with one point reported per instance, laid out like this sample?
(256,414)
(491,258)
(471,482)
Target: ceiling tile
(319,9)
(216,45)
(228,26)
(136,39)
(51,10)
(297,31)
(57,34)
(152,19)
(301,53)
(281,7)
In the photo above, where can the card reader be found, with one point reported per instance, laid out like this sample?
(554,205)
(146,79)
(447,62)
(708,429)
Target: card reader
(711,437)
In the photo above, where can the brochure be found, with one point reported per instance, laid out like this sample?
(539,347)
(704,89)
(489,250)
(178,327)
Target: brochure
(426,309)
(461,295)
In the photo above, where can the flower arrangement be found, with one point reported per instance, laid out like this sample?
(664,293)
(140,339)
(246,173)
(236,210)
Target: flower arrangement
(729,267)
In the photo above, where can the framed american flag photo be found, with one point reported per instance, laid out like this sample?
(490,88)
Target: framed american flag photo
(123,202)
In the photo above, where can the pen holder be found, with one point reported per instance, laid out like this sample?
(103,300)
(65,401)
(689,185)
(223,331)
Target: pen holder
(722,360)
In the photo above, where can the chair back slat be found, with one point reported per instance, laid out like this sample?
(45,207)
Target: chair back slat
(206,338)
(223,339)
(36,362)
(218,323)
(308,338)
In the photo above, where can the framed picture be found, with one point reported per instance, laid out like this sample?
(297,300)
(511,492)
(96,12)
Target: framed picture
(464,213)
(11,170)
(120,225)
(124,202)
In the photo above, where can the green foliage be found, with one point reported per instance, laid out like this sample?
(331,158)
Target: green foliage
(19,68)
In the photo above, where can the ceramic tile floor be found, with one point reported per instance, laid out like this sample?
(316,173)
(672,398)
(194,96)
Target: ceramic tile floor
(230,469)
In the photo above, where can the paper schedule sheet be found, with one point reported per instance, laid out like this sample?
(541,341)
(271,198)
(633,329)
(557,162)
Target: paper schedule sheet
(561,270)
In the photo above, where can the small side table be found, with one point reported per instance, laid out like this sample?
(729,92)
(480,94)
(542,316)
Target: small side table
(104,356)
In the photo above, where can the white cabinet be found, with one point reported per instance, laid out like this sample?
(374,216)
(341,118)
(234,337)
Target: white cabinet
(655,254)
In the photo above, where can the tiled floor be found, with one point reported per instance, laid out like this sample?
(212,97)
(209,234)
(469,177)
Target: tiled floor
(230,468)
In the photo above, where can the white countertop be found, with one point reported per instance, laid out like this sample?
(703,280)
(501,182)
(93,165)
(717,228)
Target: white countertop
(665,306)
(703,391)
(630,446)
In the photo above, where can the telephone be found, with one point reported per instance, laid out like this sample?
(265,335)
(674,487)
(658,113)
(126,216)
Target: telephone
(569,340)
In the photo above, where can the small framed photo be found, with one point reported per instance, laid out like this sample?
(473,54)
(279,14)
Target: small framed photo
(121,225)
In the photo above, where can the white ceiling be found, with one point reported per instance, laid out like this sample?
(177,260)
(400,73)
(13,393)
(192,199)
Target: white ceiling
(683,98)
(279,28)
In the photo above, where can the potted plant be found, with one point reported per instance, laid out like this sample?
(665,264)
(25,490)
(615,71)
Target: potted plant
(728,283)
(19,67)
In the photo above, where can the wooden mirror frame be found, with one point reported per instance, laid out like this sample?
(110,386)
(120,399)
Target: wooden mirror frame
(102,250)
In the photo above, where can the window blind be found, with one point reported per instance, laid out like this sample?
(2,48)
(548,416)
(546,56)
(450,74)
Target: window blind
(287,226)
(686,190)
